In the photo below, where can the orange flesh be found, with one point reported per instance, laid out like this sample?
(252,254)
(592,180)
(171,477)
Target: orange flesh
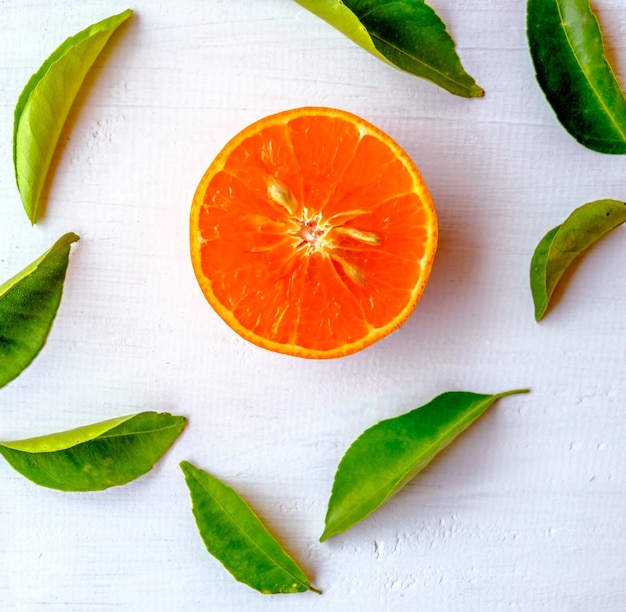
(312,233)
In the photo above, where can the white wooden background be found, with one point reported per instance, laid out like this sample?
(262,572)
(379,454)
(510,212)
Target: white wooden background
(527,511)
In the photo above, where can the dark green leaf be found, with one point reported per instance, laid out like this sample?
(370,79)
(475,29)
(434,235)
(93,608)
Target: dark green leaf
(235,536)
(45,102)
(568,53)
(384,458)
(561,245)
(28,304)
(96,456)
(405,33)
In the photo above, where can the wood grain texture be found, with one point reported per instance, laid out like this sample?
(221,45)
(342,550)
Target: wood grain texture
(524,512)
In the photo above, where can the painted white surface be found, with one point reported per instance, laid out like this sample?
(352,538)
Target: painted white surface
(525,512)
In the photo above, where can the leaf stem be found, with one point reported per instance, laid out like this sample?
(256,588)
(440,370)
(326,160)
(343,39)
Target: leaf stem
(513,392)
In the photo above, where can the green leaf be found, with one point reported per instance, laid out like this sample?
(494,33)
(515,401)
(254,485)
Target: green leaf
(44,104)
(566,46)
(407,34)
(561,245)
(385,457)
(236,537)
(98,456)
(28,304)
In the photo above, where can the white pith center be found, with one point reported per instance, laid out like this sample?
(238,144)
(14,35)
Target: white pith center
(311,233)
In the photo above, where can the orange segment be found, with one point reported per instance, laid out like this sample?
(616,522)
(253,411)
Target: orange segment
(312,233)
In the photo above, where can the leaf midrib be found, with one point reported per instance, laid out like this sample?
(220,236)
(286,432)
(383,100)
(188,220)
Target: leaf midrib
(103,436)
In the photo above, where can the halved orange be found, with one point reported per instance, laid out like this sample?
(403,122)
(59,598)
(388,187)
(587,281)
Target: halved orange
(312,233)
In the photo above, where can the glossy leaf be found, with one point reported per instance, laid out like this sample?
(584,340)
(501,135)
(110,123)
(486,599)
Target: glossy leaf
(563,244)
(405,33)
(96,456)
(237,538)
(567,49)
(28,305)
(388,455)
(44,104)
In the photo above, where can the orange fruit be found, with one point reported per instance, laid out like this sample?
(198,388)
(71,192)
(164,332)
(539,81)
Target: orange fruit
(312,233)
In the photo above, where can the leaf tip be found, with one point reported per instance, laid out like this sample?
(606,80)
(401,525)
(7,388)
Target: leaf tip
(540,300)
(32,209)
(123,16)
(65,241)
(477,91)
(327,534)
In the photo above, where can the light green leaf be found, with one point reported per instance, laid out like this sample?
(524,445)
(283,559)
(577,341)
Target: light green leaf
(384,458)
(567,49)
(44,104)
(563,244)
(237,538)
(96,456)
(407,34)
(28,305)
